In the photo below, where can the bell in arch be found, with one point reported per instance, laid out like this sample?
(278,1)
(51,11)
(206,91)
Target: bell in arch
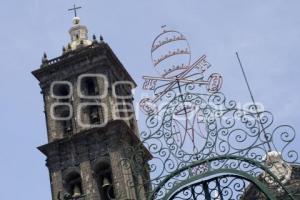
(76,191)
(94,115)
(108,189)
(68,126)
(106,183)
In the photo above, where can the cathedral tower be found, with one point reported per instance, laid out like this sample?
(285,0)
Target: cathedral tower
(90,122)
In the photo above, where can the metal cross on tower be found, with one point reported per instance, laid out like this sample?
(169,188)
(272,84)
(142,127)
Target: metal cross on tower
(75,9)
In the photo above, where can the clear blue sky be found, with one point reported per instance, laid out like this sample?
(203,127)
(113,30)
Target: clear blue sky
(266,34)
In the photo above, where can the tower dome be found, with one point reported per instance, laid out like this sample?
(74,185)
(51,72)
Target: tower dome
(79,35)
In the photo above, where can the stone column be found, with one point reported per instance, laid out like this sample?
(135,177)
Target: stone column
(89,184)
(56,183)
(122,175)
(53,134)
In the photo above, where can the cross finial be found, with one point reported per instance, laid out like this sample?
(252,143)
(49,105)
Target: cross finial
(75,9)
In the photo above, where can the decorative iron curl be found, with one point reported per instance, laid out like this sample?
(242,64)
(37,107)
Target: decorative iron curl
(230,131)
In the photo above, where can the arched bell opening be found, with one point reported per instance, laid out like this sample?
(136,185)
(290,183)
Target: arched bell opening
(94,114)
(73,185)
(89,86)
(91,114)
(104,179)
(62,91)
(62,114)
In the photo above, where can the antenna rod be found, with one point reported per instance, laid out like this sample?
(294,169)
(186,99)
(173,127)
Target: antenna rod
(253,101)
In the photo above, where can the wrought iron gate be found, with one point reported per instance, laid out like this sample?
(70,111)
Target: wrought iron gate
(203,146)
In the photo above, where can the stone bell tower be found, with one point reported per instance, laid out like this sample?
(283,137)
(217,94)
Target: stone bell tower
(90,122)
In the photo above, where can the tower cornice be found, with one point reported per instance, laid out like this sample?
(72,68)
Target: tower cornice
(84,54)
(116,131)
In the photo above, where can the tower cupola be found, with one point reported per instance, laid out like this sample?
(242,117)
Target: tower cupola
(79,35)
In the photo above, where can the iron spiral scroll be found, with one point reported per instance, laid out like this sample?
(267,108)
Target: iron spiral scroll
(204,146)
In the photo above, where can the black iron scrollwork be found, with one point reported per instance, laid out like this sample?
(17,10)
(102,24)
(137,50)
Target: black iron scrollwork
(195,133)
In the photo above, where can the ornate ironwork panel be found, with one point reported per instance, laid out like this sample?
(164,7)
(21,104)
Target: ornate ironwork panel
(202,145)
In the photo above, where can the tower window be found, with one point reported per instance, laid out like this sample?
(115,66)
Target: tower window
(123,96)
(123,89)
(125,109)
(73,186)
(95,116)
(61,90)
(67,127)
(89,86)
(62,114)
(121,108)
(91,114)
(104,181)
